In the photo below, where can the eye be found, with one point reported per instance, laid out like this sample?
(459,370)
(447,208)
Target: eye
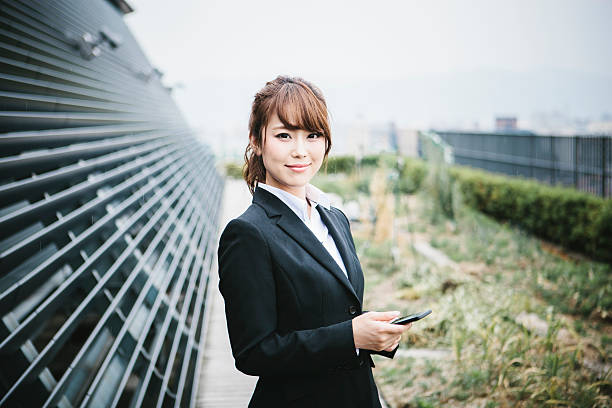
(315,135)
(283,136)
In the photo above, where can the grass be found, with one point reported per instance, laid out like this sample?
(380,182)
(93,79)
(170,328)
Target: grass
(495,358)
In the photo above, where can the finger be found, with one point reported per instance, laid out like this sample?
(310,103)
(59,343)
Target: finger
(385,316)
(387,329)
(394,342)
(390,328)
(404,327)
(392,346)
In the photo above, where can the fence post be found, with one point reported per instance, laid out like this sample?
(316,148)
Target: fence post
(552,160)
(603,167)
(531,154)
(575,162)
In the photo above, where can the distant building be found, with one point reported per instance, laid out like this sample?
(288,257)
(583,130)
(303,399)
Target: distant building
(109,215)
(393,143)
(408,142)
(505,123)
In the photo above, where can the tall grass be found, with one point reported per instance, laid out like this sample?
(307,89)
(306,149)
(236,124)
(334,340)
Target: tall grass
(495,358)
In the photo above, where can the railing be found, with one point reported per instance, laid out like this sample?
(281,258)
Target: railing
(582,162)
(439,156)
(108,216)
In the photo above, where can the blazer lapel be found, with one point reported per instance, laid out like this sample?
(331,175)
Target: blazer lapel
(341,244)
(289,222)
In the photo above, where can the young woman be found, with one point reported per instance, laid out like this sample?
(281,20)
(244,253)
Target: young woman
(288,270)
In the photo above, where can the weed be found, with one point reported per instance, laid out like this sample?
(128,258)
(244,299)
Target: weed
(498,362)
(431,368)
(419,402)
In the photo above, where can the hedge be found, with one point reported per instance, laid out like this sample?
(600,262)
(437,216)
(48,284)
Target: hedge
(340,164)
(576,220)
(233,170)
(411,175)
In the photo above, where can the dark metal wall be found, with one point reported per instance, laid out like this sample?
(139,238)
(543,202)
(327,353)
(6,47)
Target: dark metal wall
(582,162)
(108,216)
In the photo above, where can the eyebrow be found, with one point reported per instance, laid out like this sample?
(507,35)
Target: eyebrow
(278,127)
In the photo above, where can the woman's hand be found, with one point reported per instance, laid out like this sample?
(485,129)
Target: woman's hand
(372,331)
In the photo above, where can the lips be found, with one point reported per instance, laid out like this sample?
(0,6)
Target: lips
(298,168)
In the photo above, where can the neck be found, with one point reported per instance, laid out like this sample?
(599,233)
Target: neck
(299,191)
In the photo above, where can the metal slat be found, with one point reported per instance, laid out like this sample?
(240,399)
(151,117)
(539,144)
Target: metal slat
(157,348)
(63,381)
(185,308)
(146,167)
(47,352)
(23,188)
(65,289)
(25,284)
(54,137)
(103,189)
(37,159)
(192,341)
(9,257)
(153,314)
(124,329)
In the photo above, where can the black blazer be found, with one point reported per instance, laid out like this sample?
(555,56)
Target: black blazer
(289,308)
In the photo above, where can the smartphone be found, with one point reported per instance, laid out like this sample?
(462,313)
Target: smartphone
(411,318)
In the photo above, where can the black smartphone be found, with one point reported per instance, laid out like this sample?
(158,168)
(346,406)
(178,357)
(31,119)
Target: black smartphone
(411,318)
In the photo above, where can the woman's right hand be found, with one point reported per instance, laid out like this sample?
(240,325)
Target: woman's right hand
(372,331)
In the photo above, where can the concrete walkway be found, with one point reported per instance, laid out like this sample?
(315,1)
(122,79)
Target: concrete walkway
(221,384)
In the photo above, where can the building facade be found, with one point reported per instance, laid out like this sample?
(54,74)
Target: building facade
(108,216)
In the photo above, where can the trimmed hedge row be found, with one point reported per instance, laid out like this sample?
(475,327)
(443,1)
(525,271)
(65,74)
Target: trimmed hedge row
(347,164)
(339,164)
(576,220)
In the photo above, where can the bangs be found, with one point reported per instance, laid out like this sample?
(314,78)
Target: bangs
(298,107)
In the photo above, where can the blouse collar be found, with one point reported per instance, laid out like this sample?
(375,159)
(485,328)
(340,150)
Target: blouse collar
(296,204)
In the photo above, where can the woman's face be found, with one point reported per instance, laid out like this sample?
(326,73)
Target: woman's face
(291,157)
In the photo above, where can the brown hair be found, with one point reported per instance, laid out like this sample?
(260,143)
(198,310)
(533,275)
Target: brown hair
(291,98)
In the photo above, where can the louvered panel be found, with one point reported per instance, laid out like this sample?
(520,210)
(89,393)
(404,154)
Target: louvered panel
(108,216)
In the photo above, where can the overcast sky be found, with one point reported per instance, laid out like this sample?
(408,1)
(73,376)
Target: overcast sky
(430,54)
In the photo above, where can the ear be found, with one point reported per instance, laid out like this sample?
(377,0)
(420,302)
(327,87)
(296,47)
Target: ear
(254,146)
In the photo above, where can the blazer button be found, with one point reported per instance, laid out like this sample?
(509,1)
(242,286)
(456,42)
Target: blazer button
(352,309)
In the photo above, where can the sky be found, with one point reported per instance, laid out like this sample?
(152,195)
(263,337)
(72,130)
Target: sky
(417,63)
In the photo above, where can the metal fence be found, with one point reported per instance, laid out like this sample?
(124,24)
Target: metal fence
(582,162)
(108,216)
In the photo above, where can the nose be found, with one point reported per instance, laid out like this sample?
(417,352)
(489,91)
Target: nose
(299,148)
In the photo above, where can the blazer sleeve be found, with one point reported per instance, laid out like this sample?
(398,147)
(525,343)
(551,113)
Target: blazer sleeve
(247,284)
(388,354)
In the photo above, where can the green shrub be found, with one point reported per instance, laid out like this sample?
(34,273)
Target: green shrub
(369,160)
(576,220)
(340,164)
(233,170)
(411,175)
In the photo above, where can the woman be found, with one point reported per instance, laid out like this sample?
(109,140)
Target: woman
(288,270)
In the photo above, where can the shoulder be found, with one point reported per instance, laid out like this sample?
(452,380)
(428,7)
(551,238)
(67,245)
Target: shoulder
(246,228)
(340,216)
(248,223)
